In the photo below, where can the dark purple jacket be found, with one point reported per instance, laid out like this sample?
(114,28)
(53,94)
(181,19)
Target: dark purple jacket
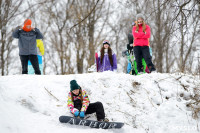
(106,66)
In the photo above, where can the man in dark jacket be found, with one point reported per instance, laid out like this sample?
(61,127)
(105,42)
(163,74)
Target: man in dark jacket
(27,36)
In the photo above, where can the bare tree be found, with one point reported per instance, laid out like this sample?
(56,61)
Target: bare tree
(85,40)
(8,11)
(187,20)
(162,31)
(74,30)
(170,20)
(73,26)
(58,44)
(155,12)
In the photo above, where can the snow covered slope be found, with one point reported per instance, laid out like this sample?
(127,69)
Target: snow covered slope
(154,103)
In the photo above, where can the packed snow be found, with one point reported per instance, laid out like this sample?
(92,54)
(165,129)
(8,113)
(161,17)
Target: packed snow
(153,103)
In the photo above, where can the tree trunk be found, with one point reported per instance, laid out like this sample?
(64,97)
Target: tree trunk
(2,54)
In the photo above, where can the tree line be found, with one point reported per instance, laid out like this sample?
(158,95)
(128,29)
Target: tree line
(74,31)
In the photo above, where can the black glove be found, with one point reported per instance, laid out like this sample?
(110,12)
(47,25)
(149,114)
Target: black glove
(129,47)
(18,27)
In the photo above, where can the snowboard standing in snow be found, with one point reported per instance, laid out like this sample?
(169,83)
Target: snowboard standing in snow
(40,51)
(132,64)
(94,67)
(30,66)
(90,123)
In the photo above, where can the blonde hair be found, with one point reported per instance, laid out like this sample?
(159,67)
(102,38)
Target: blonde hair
(143,26)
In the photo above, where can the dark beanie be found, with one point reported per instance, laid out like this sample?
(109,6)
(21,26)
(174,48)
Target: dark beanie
(74,85)
(106,42)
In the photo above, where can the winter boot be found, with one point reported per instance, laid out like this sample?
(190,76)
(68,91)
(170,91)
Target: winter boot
(104,120)
(152,69)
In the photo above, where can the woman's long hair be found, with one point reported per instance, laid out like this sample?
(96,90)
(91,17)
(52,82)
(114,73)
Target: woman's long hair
(143,26)
(109,54)
(80,91)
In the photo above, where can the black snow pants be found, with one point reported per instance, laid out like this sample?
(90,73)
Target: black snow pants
(96,107)
(143,52)
(34,61)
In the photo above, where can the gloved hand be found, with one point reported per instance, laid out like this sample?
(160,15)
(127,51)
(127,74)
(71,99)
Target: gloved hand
(82,114)
(19,27)
(76,113)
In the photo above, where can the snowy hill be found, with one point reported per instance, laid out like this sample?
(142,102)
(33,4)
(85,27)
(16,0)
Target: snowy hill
(154,103)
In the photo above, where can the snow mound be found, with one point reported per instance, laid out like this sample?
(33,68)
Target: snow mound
(145,103)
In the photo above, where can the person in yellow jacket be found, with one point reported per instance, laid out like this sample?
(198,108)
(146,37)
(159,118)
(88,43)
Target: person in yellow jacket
(40,51)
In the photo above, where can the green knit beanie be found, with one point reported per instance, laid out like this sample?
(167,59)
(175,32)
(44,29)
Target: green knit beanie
(74,85)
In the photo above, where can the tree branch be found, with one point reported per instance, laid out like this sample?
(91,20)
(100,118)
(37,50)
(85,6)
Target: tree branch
(85,17)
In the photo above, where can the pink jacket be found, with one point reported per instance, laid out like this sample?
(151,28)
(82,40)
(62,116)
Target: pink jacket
(140,38)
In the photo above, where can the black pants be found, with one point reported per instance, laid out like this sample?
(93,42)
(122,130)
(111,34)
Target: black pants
(92,108)
(143,52)
(98,108)
(34,61)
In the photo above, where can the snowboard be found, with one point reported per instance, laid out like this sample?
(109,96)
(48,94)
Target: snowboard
(132,64)
(90,123)
(94,67)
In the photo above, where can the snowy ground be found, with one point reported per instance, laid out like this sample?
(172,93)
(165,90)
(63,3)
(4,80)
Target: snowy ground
(153,103)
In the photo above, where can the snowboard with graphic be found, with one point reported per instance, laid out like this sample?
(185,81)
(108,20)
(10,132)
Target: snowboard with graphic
(90,123)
